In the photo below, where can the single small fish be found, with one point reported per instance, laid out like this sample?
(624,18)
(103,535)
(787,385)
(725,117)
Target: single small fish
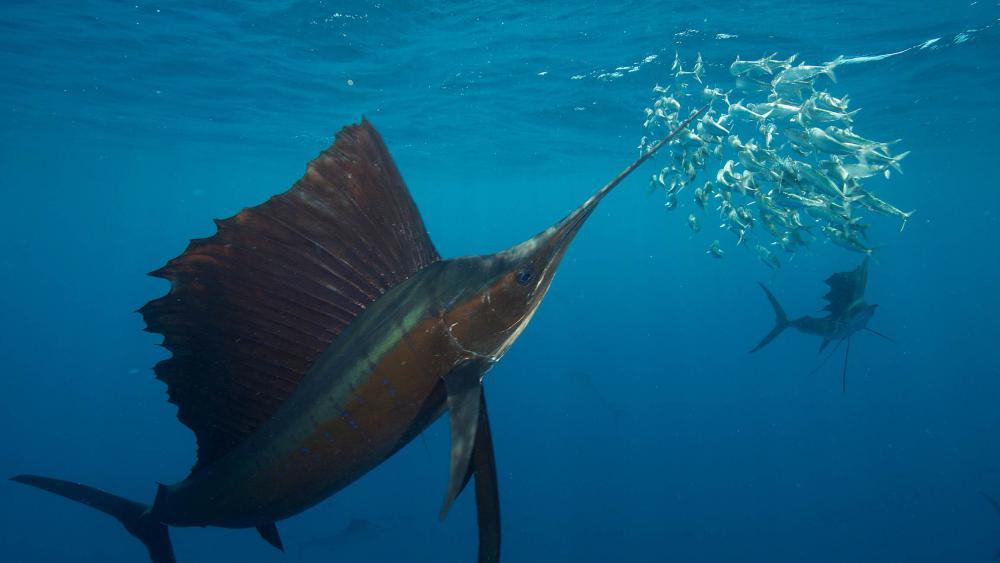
(740,109)
(715,251)
(714,127)
(746,184)
(786,242)
(773,64)
(670,102)
(769,259)
(873,202)
(734,142)
(693,222)
(695,72)
(770,224)
(741,67)
(715,93)
(808,73)
(726,176)
(818,181)
(848,136)
(835,169)
(642,145)
(830,212)
(811,114)
(690,171)
(761,67)
(875,155)
(826,101)
(861,171)
(691,139)
(734,223)
(675,186)
(777,109)
(750,161)
(768,130)
(745,217)
(790,89)
(699,157)
(671,203)
(700,198)
(823,141)
(845,239)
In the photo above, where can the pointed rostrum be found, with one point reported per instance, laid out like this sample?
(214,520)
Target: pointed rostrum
(252,307)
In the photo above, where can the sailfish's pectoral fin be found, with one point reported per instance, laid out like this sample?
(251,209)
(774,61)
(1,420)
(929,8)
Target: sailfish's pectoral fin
(472,453)
(465,390)
(270,534)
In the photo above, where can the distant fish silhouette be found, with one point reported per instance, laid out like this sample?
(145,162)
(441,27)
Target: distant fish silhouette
(358,530)
(847,314)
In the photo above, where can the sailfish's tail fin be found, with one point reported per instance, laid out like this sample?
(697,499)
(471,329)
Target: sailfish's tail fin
(135,516)
(780,320)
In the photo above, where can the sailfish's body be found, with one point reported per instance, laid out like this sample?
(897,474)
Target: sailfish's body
(316,334)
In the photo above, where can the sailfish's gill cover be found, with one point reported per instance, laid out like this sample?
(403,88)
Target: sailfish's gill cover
(253,306)
(846,290)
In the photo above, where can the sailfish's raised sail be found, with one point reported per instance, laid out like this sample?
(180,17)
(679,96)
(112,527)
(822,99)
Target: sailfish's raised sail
(252,307)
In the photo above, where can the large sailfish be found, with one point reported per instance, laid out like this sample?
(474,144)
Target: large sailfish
(316,334)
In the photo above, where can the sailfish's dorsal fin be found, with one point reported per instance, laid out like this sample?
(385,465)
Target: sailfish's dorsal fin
(846,289)
(251,307)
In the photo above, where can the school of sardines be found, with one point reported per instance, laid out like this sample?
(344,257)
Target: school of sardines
(790,166)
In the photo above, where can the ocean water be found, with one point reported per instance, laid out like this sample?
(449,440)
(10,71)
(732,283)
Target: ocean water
(629,421)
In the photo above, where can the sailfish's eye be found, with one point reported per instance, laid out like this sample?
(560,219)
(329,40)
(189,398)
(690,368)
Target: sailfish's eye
(524,275)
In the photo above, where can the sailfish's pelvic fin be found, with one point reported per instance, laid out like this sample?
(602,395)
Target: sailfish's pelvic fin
(487,488)
(464,387)
(472,453)
(270,534)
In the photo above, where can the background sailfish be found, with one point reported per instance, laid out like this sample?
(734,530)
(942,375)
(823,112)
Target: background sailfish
(847,314)
(316,334)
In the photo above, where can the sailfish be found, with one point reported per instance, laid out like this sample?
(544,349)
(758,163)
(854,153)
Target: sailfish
(316,334)
(847,313)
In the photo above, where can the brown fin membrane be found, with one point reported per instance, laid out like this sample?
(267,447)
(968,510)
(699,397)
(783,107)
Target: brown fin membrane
(252,307)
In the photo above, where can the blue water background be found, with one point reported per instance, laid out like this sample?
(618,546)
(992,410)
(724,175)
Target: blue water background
(125,128)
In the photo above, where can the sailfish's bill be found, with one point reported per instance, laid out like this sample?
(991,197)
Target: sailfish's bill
(316,334)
